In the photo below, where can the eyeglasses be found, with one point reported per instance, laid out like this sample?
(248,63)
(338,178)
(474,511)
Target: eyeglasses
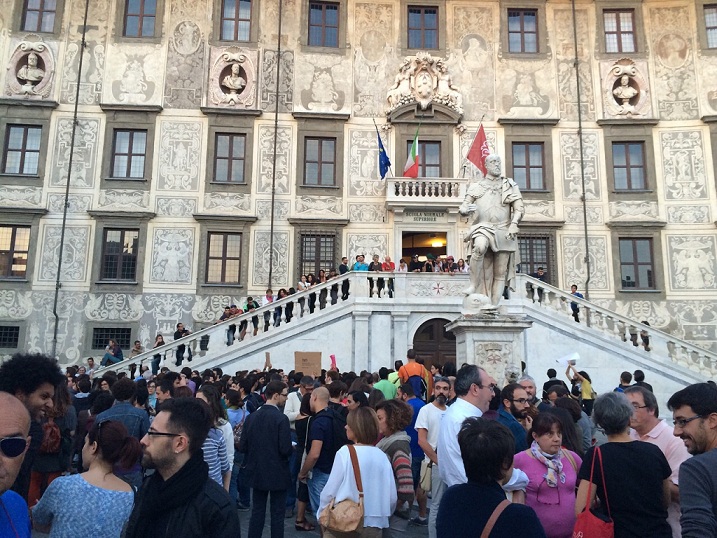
(491,386)
(153,433)
(635,406)
(682,422)
(285,394)
(12,447)
(521,400)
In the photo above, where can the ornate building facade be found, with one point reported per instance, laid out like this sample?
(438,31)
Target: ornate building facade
(177,155)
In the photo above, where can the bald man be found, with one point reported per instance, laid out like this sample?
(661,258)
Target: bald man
(14,441)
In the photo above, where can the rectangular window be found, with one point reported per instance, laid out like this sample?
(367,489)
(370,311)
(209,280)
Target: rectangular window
(229,155)
(429,158)
(39,16)
(528,169)
(323,24)
(9,336)
(628,163)
(14,246)
(22,150)
(422,27)
(129,151)
(139,18)
(523,30)
(534,252)
(636,265)
(236,20)
(317,252)
(320,162)
(711,25)
(619,30)
(224,258)
(101,336)
(119,255)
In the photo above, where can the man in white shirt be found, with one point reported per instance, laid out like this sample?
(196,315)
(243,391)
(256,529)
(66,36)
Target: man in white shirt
(291,410)
(474,391)
(646,426)
(428,424)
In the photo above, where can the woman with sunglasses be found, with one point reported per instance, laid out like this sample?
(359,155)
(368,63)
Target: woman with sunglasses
(552,473)
(63,509)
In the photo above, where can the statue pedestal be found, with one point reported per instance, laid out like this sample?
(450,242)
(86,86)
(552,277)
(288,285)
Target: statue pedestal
(494,343)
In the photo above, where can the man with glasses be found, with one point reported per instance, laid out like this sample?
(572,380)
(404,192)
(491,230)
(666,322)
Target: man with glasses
(694,410)
(646,426)
(474,391)
(14,441)
(180,499)
(515,405)
(266,443)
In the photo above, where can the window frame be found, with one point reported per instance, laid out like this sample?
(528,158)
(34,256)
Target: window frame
(342,45)
(635,264)
(423,27)
(230,158)
(130,155)
(519,132)
(522,33)
(323,26)
(236,20)
(318,236)
(441,23)
(628,168)
(528,165)
(220,122)
(23,151)
(541,28)
(141,20)
(119,263)
(12,251)
(107,335)
(638,24)
(19,19)
(121,23)
(312,125)
(619,33)
(550,252)
(320,162)
(618,131)
(41,12)
(224,258)
(422,143)
(708,28)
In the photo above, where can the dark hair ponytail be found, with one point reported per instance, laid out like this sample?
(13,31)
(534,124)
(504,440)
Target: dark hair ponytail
(115,444)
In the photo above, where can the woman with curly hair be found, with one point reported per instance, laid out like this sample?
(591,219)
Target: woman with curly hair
(393,418)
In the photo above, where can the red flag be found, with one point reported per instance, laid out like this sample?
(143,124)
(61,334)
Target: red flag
(479,150)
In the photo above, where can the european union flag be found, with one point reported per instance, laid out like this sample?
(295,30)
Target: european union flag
(384,163)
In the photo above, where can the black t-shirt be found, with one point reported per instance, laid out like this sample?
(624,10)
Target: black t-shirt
(634,473)
(321,429)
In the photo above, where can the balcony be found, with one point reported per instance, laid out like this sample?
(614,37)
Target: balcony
(438,193)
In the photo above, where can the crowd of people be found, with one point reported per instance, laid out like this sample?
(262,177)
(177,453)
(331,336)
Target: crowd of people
(183,453)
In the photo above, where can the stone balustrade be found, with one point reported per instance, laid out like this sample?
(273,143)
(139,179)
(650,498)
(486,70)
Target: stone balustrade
(405,191)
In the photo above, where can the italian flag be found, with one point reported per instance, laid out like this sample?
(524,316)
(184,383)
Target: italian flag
(411,168)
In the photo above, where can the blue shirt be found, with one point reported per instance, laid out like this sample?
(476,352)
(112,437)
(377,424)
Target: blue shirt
(135,420)
(16,508)
(508,420)
(360,266)
(416,450)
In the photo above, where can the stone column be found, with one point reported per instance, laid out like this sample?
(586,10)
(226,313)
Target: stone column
(494,343)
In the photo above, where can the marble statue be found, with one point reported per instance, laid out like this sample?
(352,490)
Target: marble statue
(234,82)
(495,206)
(624,92)
(30,73)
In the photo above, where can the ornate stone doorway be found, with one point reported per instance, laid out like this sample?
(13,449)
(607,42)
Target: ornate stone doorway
(434,343)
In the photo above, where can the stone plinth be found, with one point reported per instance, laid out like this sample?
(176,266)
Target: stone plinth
(494,343)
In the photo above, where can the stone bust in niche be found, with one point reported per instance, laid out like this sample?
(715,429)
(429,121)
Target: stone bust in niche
(625,93)
(234,82)
(30,73)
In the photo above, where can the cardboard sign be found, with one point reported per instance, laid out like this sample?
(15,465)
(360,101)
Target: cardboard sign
(308,362)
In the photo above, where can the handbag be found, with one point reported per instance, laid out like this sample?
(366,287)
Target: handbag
(589,524)
(347,515)
(493,518)
(426,475)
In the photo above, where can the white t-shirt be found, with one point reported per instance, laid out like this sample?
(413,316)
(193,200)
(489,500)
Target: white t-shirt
(429,418)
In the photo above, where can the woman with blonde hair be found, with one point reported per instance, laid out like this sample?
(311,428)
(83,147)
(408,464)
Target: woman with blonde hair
(379,488)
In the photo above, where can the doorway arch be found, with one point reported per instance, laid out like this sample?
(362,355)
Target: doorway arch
(434,344)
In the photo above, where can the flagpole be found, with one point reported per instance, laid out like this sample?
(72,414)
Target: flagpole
(465,159)
(379,135)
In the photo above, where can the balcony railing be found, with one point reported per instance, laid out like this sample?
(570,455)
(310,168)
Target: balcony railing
(425,192)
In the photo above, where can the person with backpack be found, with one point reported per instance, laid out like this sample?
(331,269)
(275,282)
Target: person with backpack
(416,374)
(327,434)
(238,486)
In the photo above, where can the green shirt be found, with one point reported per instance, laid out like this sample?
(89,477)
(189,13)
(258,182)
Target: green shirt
(388,388)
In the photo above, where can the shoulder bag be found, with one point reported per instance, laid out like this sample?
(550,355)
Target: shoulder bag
(493,518)
(589,524)
(345,516)
(425,481)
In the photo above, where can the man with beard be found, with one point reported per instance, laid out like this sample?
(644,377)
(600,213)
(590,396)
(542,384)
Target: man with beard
(180,500)
(694,413)
(528,383)
(428,424)
(515,407)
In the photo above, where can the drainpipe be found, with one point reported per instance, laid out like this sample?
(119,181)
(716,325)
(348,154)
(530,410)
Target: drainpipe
(58,284)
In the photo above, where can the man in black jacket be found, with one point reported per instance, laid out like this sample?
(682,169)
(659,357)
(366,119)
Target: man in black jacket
(266,443)
(180,500)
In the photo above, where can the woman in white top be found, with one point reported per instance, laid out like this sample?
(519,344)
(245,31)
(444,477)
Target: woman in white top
(377,476)
(463,266)
(402,267)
